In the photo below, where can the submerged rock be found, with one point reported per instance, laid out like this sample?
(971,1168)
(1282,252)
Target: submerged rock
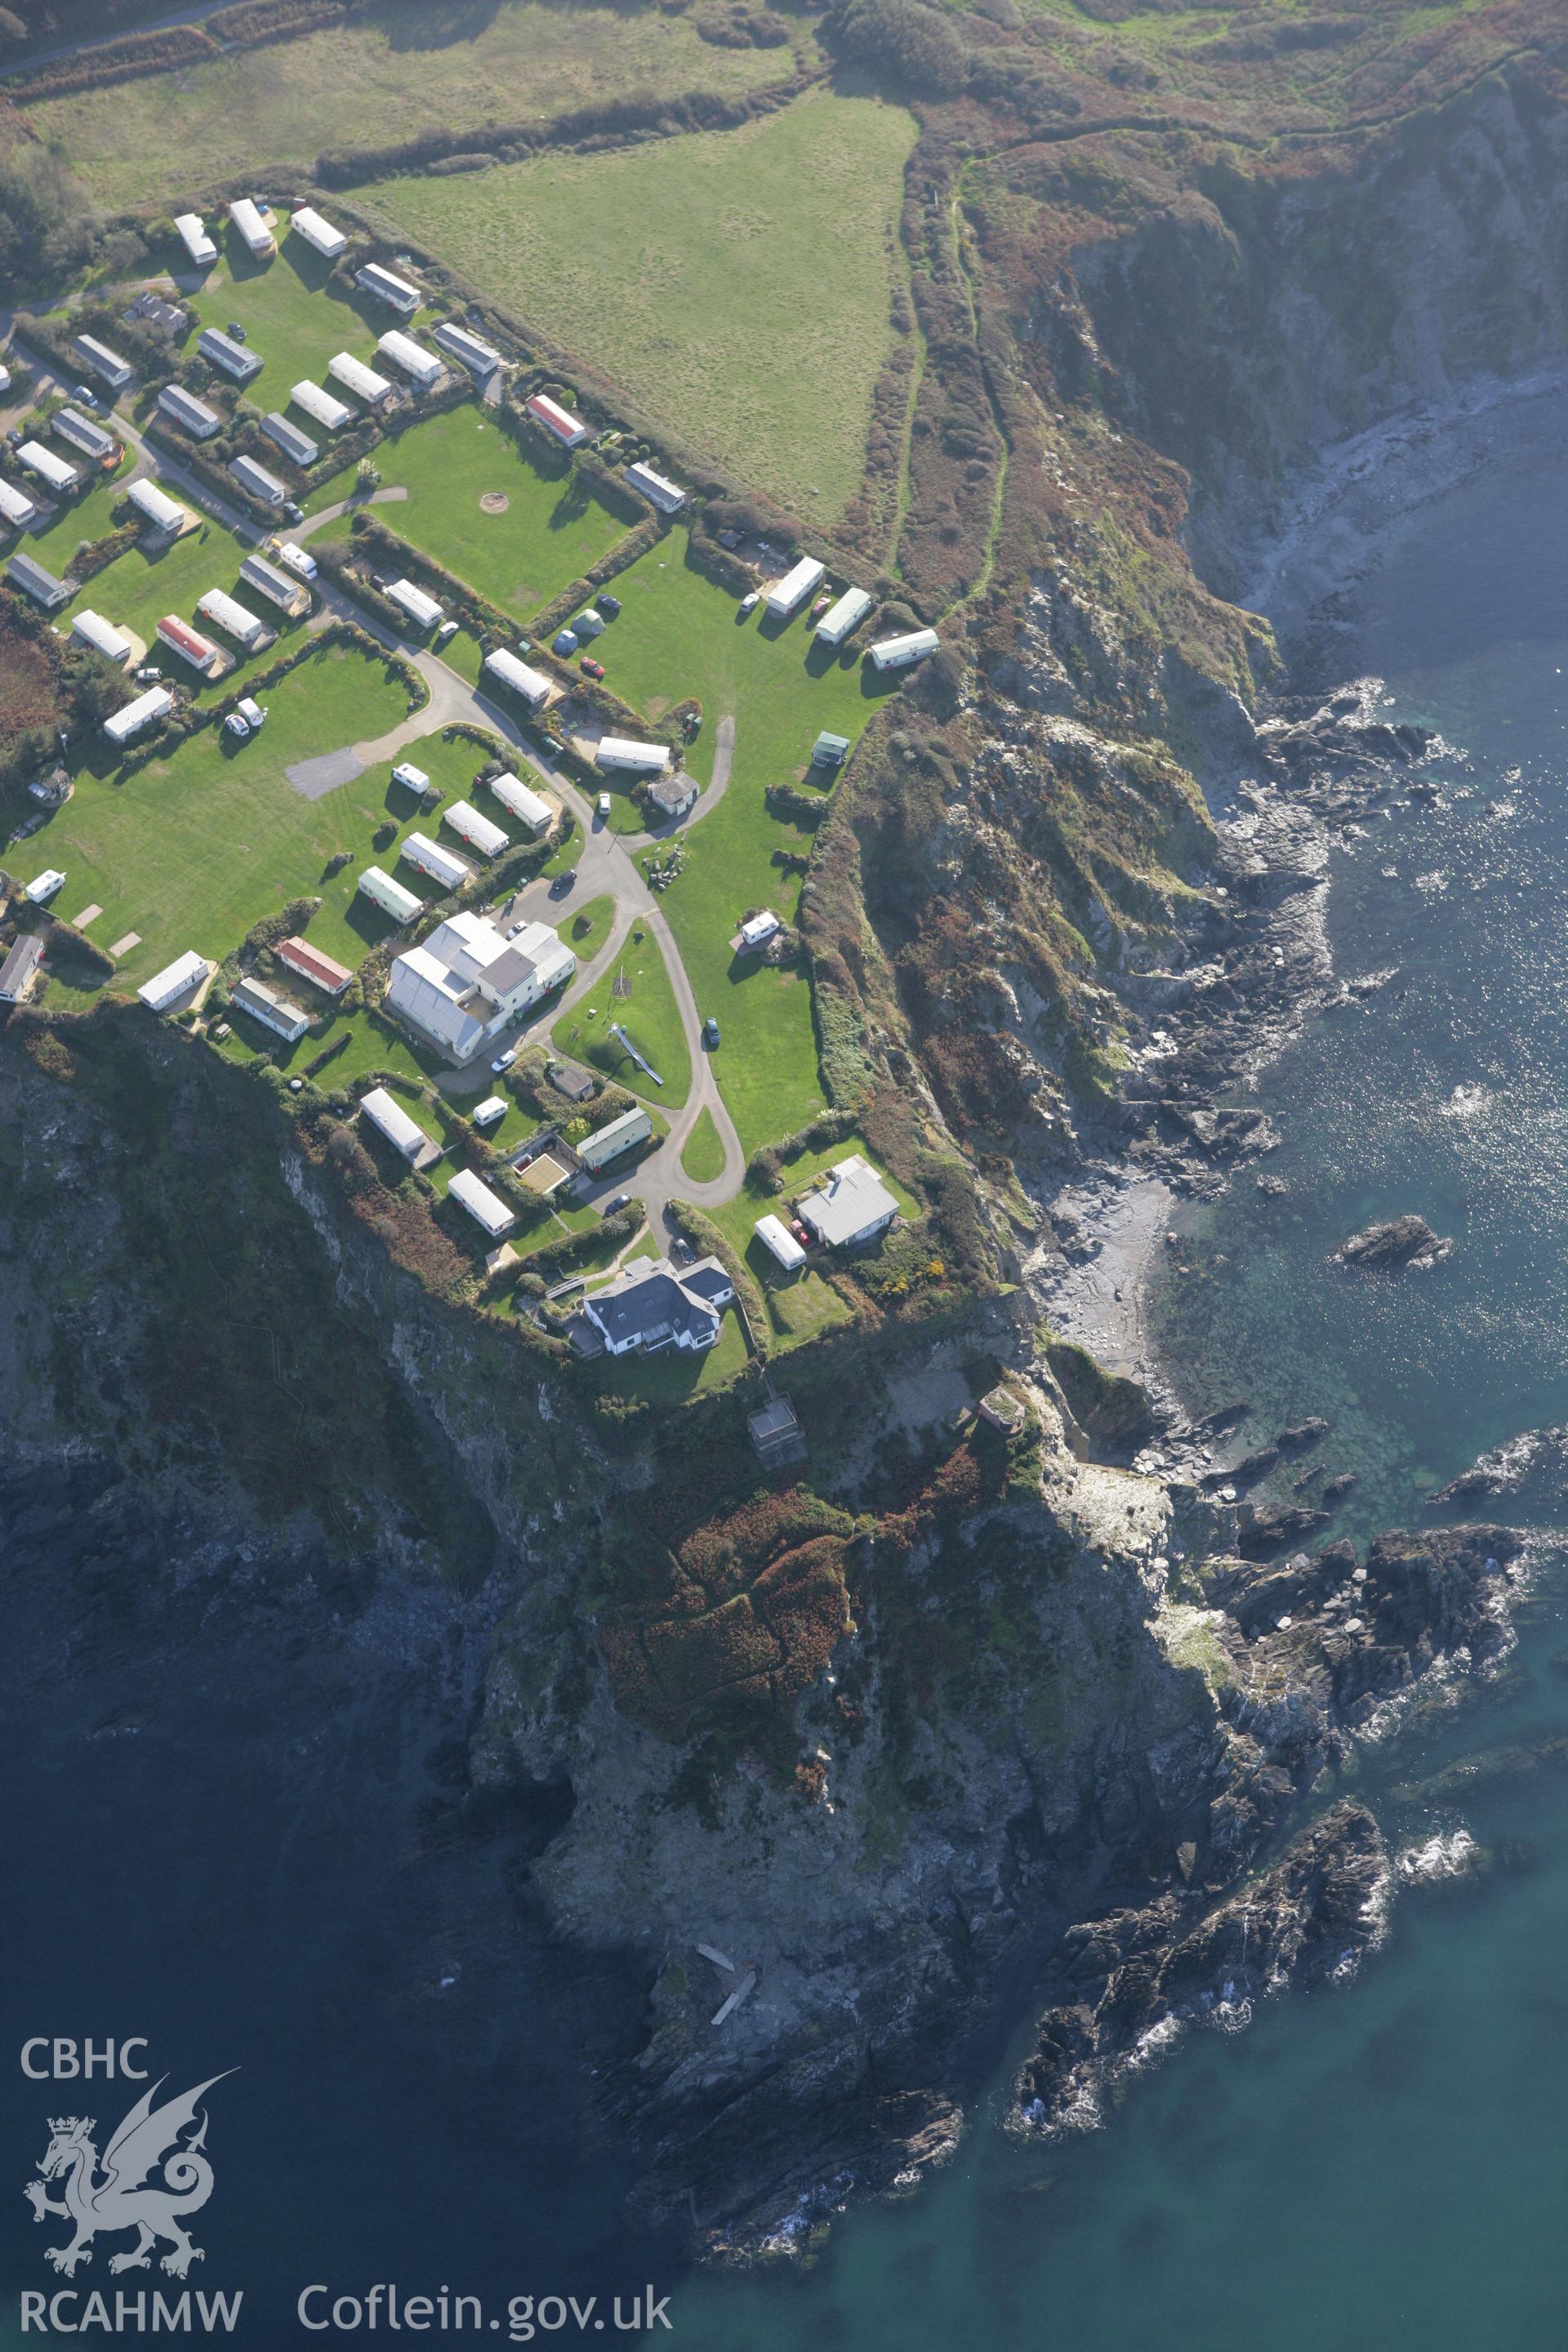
(1264,1527)
(1302,1433)
(1394,1244)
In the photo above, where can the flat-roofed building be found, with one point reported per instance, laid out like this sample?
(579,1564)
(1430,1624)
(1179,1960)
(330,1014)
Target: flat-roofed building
(102,635)
(625,752)
(247,217)
(422,367)
(466,981)
(202,653)
(530,808)
(331,414)
(276,1012)
(56,473)
(787,594)
(190,415)
(323,970)
(181,978)
(387,286)
(845,615)
(84,434)
(166,514)
(362,381)
(191,231)
(422,609)
(480,357)
(391,896)
(294,443)
(387,1115)
(259,481)
(898,653)
(25,571)
(101,361)
(15,507)
(851,1205)
(480,832)
(235,358)
(247,628)
(319,232)
(486,1208)
(443,865)
(156,703)
(279,588)
(666,496)
(506,670)
(566,428)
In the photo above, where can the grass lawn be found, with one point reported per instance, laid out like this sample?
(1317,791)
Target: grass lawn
(737,1219)
(295,318)
(676,1373)
(138,589)
(679,635)
(649,1017)
(737,283)
(799,1308)
(405,67)
(589,927)
(190,851)
(552,530)
(703,1157)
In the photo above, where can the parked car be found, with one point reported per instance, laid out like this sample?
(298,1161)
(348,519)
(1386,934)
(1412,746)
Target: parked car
(564,643)
(85,394)
(620,1200)
(605,805)
(235,725)
(681,1251)
(504,1061)
(16,436)
(590,668)
(237,330)
(691,724)
(710,1031)
(149,674)
(820,607)
(751,599)
(801,1232)
(293,513)
(563,882)
(609,605)
(445,633)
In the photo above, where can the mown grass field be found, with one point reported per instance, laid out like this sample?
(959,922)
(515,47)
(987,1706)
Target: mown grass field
(295,316)
(552,530)
(649,1016)
(679,635)
(408,68)
(737,284)
(703,1157)
(192,851)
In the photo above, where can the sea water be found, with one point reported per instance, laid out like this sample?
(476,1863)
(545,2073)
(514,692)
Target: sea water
(1379,2167)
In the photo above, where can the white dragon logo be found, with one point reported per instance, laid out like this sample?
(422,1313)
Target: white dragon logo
(147,2141)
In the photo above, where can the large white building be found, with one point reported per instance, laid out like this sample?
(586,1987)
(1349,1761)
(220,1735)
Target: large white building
(193,236)
(666,496)
(481,833)
(395,292)
(317,231)
(845,614)
(507,670)
(421,366)
(898,653)
(320,404)
(530,808)
(787,594)
(155,704)
(466,981)
(625,752)
(654,1304)
(247,220)
(247,628)
(165,514)
(362,380)
(391,896)
(851,1205)
(190,415)
(102,635)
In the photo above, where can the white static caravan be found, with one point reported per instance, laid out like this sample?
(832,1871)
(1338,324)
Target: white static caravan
(489,838)
(421,366)
(102,635)
(318,402)
(507,671)
(898,653)
(259,481)
(175,980)
(390,895)
(290,595)
(395,292)
(486,1208)
(124,724)
(202,653)
(787,594)
(247,220)
(568,429)
(193,235)
(52,471)
(165,514)
(247,628)
(386,1114)
(775,1237)
(190,415)
(362,380)
(421,609)
(317,231)
(15,507)
(657,488)
(625,752)
(101,361)
(443,865)
(528,808)
(296,445)
(847,614)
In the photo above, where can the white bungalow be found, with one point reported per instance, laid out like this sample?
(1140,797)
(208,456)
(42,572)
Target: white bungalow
(443,865)
(54,472)
(202,653)
(480,357)
(295,444)
(107,365)
(395,292)
(844,616)
(247,628)
(165,514)
(221,351)
(275,1011)
(84,434)
(666,496)
(290,595)
(190,415)
(102,636)
(386,1114)
(259,481)
(176,980)
(15,507)
(362,380)
(776,1237)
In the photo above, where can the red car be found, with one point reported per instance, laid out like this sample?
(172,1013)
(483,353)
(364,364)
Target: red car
(590,668)
(802,1233)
